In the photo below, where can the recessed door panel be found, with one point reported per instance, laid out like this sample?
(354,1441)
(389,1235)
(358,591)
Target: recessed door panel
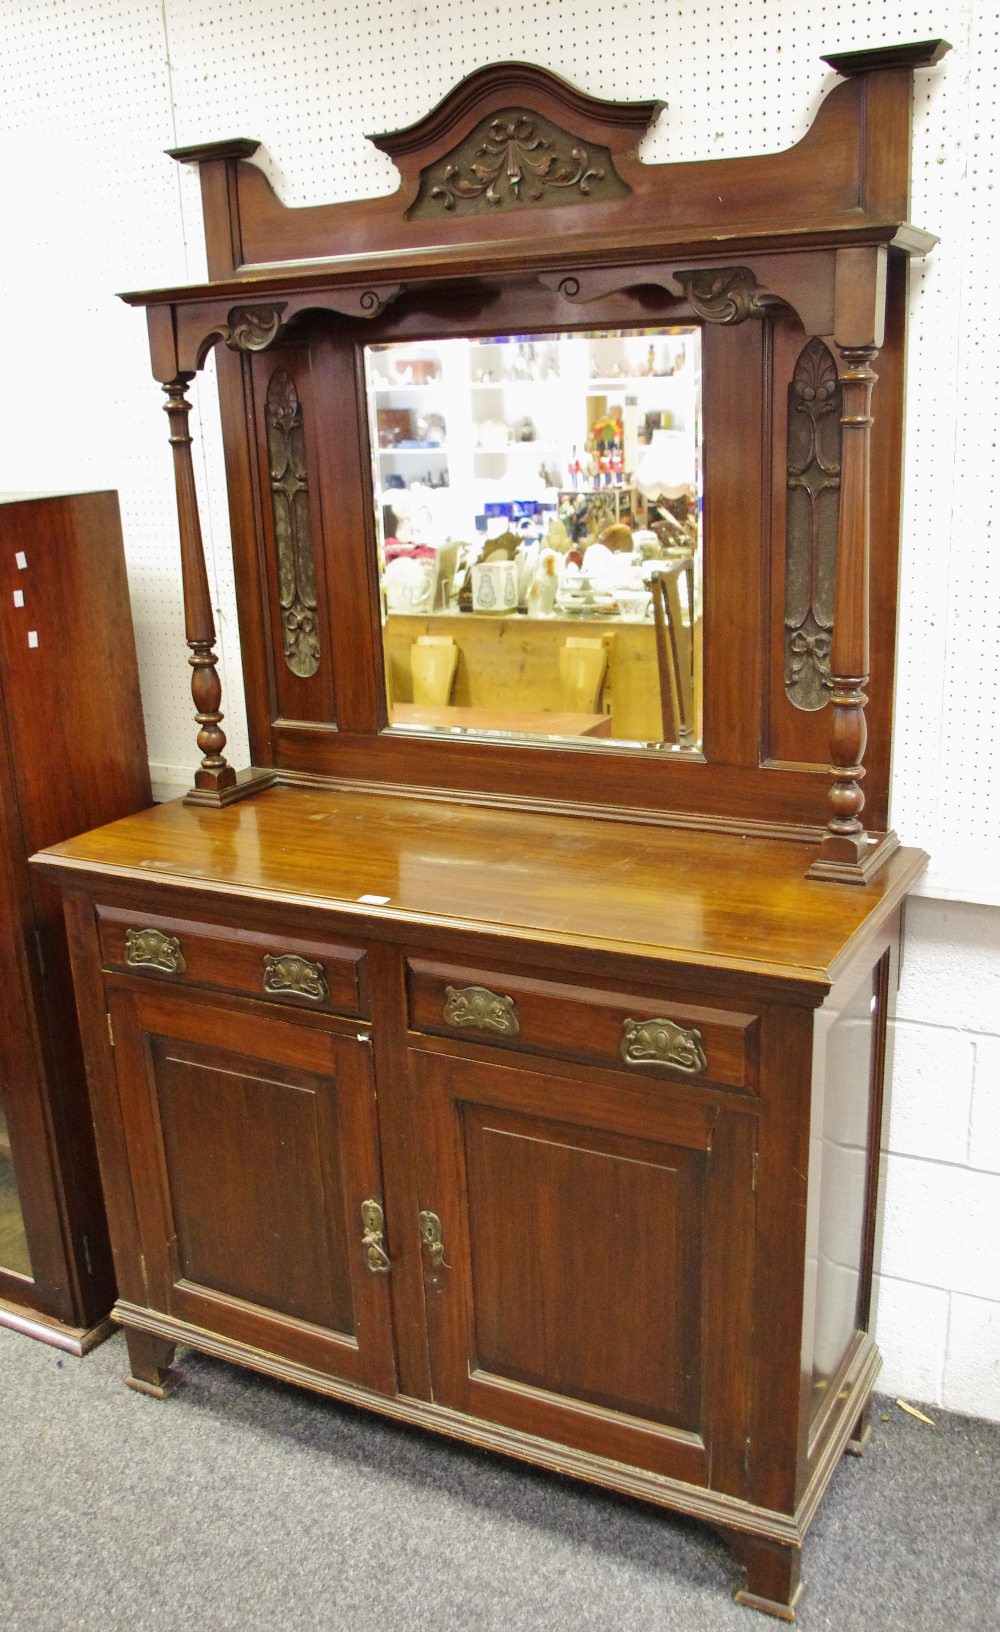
(591,1282)
(281,1241)
(253,1150)
(560,1221)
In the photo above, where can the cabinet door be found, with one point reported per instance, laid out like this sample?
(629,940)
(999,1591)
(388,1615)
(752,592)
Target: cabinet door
(253,1149)
(591,1284)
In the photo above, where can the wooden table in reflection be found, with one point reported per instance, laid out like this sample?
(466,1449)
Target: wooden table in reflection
(528,723)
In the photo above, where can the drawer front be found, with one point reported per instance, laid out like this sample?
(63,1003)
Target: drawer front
(666,1036)
(280,969)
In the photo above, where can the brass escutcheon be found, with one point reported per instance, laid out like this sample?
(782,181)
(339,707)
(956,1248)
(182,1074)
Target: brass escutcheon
(662,1042)
(373,1239)
(478,1007)
(150,949)
(432,1239)
(286,972)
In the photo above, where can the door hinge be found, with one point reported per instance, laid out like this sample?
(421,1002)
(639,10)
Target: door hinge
(41,954)
(85,1243)
(746,1459)
(755,1169)
(111,1029)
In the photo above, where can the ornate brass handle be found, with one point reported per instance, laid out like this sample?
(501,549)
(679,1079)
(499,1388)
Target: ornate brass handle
(149,949)
(483,1010)
(432,1239)
(662,1042)
(287,972)
(373,1239)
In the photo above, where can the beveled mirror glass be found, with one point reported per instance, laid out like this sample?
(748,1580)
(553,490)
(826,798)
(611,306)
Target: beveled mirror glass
(538,503)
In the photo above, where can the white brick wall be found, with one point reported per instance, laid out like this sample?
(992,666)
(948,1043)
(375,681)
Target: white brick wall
(938,1294)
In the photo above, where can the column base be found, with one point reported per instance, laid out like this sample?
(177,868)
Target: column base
(246,783)
(836,871)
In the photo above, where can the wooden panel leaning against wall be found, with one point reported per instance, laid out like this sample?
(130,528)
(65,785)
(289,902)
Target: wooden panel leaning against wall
(67,664)
(486,1054)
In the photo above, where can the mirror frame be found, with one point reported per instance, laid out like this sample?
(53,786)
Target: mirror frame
(766,253)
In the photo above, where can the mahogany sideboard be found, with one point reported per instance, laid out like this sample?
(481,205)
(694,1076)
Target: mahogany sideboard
(583,1175)
(519,1084)
(66,647)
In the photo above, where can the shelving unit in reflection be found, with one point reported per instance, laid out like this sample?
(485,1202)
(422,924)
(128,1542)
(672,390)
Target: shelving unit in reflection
(556,478)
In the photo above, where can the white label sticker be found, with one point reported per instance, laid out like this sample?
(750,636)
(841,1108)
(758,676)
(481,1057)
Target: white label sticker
(22,560)
(374,900)
(19,597)
(32,637)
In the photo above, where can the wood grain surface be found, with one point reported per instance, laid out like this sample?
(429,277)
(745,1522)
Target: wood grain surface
(699,898)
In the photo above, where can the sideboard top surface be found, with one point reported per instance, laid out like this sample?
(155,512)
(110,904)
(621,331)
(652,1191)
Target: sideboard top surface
(679,896)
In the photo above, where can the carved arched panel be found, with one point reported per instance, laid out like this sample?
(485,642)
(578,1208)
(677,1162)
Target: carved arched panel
(813,511)
(292,535)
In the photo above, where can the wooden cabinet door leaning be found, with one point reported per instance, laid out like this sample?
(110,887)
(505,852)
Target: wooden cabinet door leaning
(72,753)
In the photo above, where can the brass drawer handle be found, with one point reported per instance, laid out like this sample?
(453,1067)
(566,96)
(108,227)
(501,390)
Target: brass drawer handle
(373,1239)
(432,1239)
(661,1042)
(149,949)
(480,1008)
(286,972)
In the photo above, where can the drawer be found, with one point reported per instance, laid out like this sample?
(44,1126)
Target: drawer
(662,1036)
(279,969)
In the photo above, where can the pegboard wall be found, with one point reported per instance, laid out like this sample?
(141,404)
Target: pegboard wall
(92,91)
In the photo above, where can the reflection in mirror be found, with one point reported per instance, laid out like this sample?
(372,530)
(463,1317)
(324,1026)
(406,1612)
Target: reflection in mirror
(538,502)
(13,1241)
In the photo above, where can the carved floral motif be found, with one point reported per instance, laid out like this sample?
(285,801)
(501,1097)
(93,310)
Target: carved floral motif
(514,159)
(813,451)
(728,294)
(292,534)
(253,328)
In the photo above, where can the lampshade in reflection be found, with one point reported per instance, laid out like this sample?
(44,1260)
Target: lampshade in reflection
(666,469)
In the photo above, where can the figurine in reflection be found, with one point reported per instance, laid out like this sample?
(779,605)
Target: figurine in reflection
(544,586)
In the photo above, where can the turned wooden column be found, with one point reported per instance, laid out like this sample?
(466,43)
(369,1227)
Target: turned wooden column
(845,853)
(214,776)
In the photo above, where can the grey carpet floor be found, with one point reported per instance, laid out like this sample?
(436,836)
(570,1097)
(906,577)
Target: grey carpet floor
(242,1504)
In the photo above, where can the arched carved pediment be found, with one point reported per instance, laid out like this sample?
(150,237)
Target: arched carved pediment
(512,140)
(513,135)
(512,160)
(620,125)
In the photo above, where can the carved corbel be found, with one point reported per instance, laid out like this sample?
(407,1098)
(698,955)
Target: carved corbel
(725,294)
(253,328)
(718,294)
(728,294)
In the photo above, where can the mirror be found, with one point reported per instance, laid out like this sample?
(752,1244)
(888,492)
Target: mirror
(538,503)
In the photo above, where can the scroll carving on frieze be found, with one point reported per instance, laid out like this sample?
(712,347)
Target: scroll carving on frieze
(512,160)
(253,328)
(813,513)
(292,534)
(725,294)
